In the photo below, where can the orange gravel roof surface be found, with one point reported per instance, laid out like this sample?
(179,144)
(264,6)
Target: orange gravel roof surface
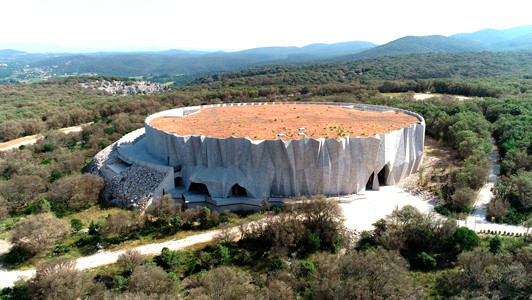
(265,122)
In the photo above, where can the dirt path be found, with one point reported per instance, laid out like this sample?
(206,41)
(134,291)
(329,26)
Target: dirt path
(32,139)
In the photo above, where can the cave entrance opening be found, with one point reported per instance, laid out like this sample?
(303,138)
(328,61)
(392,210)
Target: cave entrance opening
(238,191)
(199,188)
(369,184)
(381,176)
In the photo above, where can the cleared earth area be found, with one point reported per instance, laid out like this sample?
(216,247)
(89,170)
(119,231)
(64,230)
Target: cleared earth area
(265,122)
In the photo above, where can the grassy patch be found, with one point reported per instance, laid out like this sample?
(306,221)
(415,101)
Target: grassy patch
(93,213)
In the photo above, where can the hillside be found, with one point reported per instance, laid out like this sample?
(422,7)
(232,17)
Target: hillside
(507,39)
(516,64)
(180,67)
(175,62)
(419,44)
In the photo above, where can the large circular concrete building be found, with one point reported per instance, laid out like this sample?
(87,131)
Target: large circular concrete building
(241,154)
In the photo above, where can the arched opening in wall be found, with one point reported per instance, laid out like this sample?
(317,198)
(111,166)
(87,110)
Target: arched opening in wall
(238,191)
(383,175)
(369,184)
(199,188)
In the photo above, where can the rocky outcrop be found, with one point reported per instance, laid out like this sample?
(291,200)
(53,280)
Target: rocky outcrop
(118,87)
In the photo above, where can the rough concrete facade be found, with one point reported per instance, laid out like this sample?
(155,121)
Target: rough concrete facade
(271,168)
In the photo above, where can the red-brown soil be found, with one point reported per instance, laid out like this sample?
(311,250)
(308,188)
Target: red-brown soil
(264,122)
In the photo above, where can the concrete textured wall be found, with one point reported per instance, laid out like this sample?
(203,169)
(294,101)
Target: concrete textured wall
(133,137)
(289,168)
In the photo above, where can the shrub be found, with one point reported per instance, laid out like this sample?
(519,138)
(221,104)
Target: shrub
(423,262)
(4,208)
(21,191)
(224,283)
(306,268)
(150,280)
(498,207)
(443,210)
(170,260)
(40,207)
(363,275)
(222,255)
(276,264)
(129,260)
(176,222)
(60,279)
(10,130)
(164,209)
(38,233)
(495,244)
(120,282)
(313,243)
(48,148)
(95,227)
(76,224)
(76,191)
(207,218)
(123,225)
(55,175)
(463,239)
(462,198)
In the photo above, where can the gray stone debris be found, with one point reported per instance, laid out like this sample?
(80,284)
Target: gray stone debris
(119,87)
(129,187)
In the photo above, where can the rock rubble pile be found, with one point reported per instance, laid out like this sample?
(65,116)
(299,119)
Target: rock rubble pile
(119,87)
(131,187)
(107,156)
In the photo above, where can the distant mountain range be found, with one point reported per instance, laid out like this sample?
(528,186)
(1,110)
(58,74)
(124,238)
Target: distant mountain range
(20,66)
(516,38)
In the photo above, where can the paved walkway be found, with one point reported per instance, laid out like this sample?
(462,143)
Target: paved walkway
(362,213)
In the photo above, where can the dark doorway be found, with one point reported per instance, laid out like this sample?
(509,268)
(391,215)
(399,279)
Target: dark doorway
(238,191)
(383,175)
(177,181)
(369,185)
(199,188)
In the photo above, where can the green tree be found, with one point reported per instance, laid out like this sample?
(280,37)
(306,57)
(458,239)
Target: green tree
(463,239)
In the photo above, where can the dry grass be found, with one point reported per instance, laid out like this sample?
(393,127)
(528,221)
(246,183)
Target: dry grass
(264,122)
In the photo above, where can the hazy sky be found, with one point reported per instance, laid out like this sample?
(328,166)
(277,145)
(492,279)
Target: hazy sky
(240,24)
